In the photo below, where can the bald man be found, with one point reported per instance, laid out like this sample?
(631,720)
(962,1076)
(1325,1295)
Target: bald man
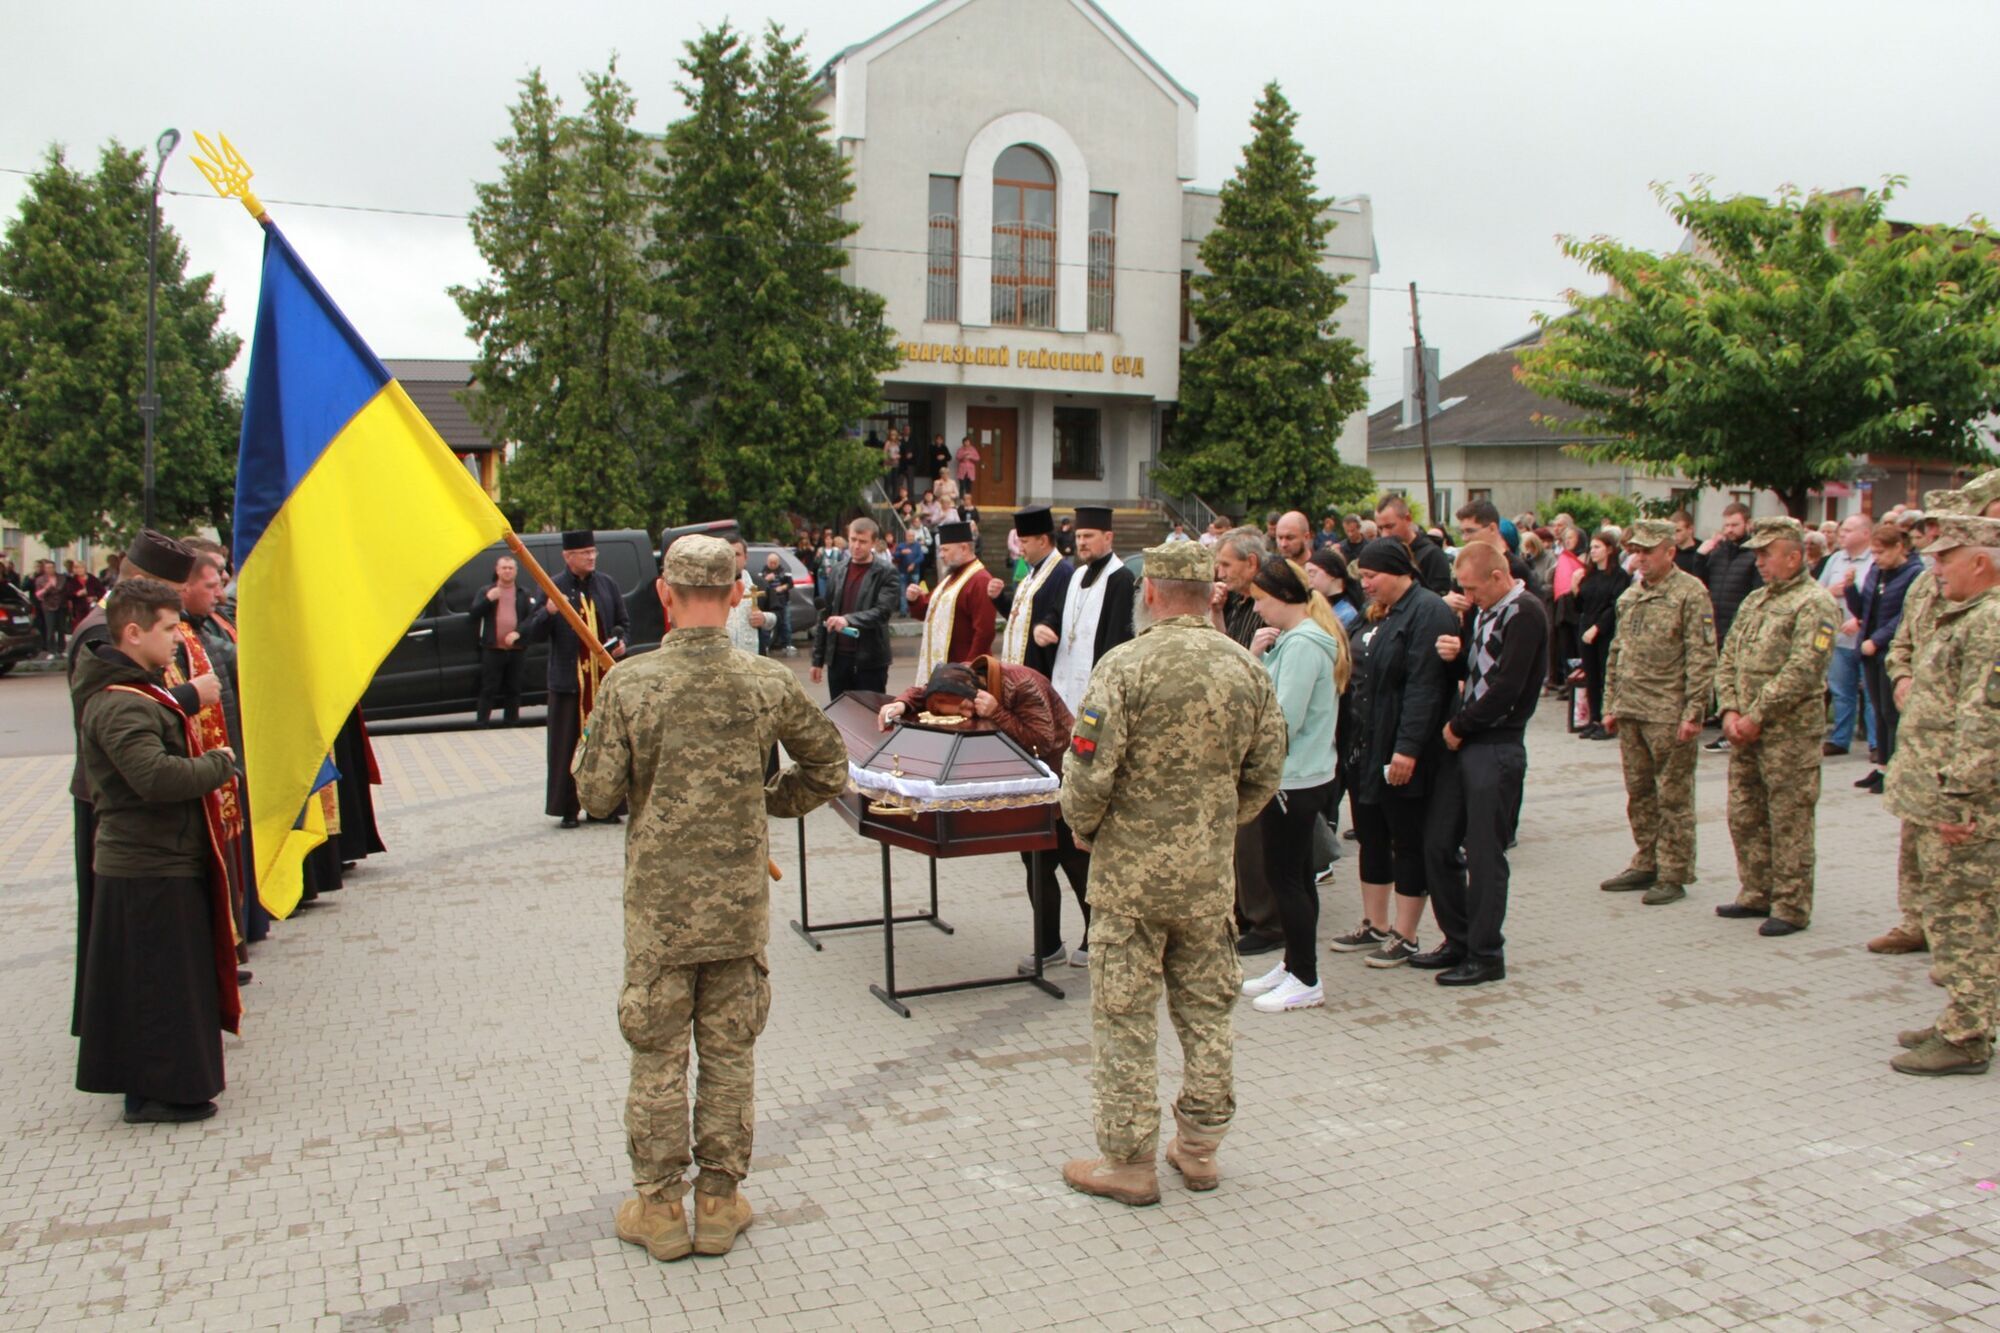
(1294,537)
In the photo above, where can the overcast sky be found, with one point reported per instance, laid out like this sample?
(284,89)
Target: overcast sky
(1481,131)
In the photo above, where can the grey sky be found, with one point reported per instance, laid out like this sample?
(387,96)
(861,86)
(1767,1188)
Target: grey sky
(1481,131)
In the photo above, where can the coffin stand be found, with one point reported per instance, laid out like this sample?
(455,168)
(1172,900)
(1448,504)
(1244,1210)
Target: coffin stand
(940,791)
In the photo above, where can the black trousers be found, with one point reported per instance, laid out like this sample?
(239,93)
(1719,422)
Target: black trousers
(1875,674)
(500,678)
(1391,835)
(1472,801)
(843,675)
(1075,865)
(1596,658)
(1287,828)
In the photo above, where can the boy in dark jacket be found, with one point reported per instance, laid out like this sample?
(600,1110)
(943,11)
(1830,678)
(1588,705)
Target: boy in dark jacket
(159,966)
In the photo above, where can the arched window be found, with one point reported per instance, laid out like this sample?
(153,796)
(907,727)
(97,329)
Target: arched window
(1024,239)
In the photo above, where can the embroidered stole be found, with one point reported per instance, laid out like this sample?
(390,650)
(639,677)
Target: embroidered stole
(588,672)
(938,621)
(221,916)
(1021,622)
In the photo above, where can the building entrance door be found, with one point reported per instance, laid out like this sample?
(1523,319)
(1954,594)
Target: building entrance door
(992,429)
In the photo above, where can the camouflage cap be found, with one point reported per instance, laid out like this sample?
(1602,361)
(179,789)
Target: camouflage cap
(1648,533)
(1775,529)
(697,561)
(1981,491)
(1186,562)
(1944,502)
(1965,530)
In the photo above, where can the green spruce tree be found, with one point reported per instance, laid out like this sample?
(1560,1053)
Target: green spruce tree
(774,352)
(569,362)
(73,363)
(1266,390)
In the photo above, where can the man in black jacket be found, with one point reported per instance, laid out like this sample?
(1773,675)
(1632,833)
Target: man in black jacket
(498,610)
(573,674)
(851,645)
(1392,519)
(1731,574)
(1502,664)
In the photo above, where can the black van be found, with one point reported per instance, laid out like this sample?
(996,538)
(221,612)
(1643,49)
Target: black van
(434,667)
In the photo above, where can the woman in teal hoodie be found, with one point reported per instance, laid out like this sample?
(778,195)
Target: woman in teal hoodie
(1304,662)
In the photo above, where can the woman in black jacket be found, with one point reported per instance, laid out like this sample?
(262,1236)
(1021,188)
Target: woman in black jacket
(1391,745)
(1876,599)
(1604,582)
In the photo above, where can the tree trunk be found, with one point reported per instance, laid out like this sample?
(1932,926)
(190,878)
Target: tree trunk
(1795,500)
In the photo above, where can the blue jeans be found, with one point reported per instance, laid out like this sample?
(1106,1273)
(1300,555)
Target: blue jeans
(1843,677)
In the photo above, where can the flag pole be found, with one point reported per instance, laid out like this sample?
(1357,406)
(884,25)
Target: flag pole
(558,601)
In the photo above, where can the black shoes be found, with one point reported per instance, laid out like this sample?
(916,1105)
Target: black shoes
(1777,925)
(1738,912)
(608,819)
(1474,972)
(1873,782)
(1446,955)
(568,821)
(168,1113)
(1259,941)
(242,976)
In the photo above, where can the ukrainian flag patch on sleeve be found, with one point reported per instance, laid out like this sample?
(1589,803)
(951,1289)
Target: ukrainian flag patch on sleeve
(1823,636)
(1089,723)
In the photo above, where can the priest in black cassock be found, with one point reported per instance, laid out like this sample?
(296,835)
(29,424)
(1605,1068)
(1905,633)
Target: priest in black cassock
(573,674)
(1034,605)
(1097,608)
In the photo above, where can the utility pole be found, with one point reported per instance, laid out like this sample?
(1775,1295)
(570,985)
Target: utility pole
(1424,413)
(149,404)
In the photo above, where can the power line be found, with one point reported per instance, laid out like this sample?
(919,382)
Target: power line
(1554,299)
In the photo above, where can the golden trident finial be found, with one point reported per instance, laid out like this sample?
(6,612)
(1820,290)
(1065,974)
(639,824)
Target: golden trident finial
(225,170)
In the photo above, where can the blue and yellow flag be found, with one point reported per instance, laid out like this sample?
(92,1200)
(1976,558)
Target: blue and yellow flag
(350,513)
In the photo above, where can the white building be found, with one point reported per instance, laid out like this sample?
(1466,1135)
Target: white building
(1021,174)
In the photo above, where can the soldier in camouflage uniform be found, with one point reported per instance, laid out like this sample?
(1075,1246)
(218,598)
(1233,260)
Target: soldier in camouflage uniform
(1771,684)
(683,734)
(1178,740)
(1656,687)
(1920,613)
(1944,782)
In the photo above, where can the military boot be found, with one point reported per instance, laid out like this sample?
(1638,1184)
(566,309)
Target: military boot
(1630,878)
(1663,893)
(1192,1153)
(658,1224)
(1911,1038)
(718,1220)
(1897,939)
(1133,1183)
(1939,1056)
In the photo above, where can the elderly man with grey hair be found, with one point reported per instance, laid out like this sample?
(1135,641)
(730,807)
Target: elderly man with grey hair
(1231,609)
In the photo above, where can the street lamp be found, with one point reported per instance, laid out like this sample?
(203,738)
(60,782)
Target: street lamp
(149,403)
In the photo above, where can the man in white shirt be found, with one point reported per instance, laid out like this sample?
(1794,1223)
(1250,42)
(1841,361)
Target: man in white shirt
(1844,569)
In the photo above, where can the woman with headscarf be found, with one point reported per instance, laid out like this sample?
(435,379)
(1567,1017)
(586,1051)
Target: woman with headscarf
(1308,667)
(1398,699)
(1328,575)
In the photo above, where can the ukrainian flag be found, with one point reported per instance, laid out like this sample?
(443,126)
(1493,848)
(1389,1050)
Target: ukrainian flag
(350,513)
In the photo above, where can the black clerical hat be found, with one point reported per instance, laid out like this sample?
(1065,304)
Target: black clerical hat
(1034,521)
(159,556)
(954,532)
(579,541)
(1094,516)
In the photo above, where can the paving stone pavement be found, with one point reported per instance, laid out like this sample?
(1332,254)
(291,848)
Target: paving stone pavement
(1660,1119)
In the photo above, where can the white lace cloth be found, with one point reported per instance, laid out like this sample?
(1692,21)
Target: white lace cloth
(1042,789)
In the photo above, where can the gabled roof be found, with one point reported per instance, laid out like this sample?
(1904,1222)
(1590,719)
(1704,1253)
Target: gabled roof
(435,386)
(1483,404)
(902,30)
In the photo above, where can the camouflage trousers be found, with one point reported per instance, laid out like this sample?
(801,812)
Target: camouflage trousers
(1130,958)
(1773,799)
(1961,913)
(722,1007)
(1910,882)
(1659,798)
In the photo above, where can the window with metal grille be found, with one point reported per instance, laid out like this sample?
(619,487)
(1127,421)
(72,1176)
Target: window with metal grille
(1103,257)
(1079,456)
(1024,239)
(941,291)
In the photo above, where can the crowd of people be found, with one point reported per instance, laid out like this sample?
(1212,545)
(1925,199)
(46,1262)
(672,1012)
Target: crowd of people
(59,597)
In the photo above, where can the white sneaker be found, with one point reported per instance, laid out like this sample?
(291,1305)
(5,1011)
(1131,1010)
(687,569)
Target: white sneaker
(1267,983)
(1292,994)
(1079,958)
